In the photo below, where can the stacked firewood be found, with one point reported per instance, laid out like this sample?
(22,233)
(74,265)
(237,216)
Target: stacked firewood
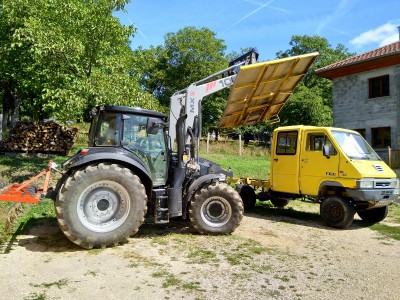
(39,137)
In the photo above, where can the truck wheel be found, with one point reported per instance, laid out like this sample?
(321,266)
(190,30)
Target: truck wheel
(216,209)
(337,212)
(278,202)
(248,197)
(374,215)
(101,206)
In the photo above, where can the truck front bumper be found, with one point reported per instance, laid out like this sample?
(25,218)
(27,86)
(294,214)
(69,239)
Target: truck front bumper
(382,197)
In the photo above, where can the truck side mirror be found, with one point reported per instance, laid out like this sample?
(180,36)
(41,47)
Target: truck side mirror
(326,150)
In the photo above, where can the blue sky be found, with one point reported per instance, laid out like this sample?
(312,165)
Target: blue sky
(268,25)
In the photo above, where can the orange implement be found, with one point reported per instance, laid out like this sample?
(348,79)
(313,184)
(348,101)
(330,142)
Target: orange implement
(27,192)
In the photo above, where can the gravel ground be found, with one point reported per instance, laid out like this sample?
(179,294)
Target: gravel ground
(271,257)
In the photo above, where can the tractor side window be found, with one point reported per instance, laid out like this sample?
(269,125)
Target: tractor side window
(287,142)
(108,134)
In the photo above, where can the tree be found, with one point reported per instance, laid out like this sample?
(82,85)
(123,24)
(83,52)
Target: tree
(66,57)
(186,57)
(306,107)
(311,103)
(327,55)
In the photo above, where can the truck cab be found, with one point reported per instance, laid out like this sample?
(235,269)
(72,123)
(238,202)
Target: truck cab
(336,168)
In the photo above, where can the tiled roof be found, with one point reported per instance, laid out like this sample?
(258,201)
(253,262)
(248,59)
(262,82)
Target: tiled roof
(388,50)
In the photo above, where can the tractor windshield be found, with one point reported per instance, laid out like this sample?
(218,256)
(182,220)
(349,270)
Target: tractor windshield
(354,146)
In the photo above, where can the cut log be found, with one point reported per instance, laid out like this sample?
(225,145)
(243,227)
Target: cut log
(40,137)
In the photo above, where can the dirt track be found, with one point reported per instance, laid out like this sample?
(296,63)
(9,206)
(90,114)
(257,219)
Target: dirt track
(267,258)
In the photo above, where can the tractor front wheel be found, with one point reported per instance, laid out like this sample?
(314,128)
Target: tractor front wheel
(216,209)
(101,206)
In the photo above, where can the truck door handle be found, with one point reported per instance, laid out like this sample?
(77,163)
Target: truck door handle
(275,159)
(304,160)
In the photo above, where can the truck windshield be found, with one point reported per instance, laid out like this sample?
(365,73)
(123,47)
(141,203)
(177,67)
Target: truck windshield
(354,146)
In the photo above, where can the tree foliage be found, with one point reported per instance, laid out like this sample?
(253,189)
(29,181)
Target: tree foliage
(311,103)
(61,57)
(185,57)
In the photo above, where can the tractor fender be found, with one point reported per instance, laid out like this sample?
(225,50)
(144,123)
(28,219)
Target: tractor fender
(123,158)
(195,185)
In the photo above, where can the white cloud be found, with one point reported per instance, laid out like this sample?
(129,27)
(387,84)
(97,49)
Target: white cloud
(384,34)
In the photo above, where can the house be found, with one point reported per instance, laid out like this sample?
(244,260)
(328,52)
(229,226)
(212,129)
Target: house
(366,95)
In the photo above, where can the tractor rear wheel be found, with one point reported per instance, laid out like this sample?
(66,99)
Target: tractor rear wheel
(101,206)
(216,209)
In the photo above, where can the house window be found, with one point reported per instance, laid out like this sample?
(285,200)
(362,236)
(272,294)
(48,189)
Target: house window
(362,132)
(380,137)
(379,86)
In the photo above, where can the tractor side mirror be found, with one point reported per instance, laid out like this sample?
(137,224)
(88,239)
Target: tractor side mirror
(153,125)
(326,151)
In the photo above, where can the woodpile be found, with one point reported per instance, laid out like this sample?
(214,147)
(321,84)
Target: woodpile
(39,137)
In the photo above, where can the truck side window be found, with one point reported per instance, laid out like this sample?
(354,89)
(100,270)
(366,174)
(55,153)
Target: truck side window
(287,142)
(316,142)
(332,150)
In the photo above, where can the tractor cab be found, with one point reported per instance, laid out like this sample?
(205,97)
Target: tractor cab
(139,131)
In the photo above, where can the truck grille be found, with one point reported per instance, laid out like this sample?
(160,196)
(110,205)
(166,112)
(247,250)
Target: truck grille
(378,168)
(382,184)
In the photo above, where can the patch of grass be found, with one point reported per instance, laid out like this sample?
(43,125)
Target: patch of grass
(392,232)
(244,252)
(201,256)
(171,280)
(36,296)
(254,162)
(59,284)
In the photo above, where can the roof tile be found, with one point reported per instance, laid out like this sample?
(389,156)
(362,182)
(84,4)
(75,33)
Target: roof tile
(393,48)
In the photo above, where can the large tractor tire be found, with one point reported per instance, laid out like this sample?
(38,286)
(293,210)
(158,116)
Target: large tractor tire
(374,215)
(101,206)
(337,212)
(216,209)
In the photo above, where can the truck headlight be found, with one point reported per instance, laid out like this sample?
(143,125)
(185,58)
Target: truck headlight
(394,184)
(366,184)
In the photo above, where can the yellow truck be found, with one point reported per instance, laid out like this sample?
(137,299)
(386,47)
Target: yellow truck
(331,166)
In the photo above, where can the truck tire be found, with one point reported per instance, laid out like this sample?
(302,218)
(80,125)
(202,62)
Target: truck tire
(216,209)
(374,215)
(278,202)
(101,206)
(248,197)
(337,212)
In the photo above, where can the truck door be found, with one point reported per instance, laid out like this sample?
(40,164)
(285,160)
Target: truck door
(285,162)
(314,166)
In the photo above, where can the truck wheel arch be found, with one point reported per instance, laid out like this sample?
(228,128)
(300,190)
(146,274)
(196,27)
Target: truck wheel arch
(326,186)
